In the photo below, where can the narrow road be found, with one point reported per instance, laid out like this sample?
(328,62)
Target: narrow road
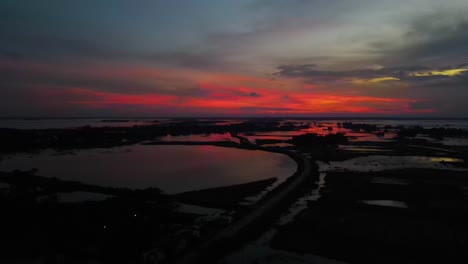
(271,203)
(265,206)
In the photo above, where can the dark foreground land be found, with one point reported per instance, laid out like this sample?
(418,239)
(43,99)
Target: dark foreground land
(403,215)
(406,215)
(341,226)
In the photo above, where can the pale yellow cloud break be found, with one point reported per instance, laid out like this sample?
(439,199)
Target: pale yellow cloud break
(450,72)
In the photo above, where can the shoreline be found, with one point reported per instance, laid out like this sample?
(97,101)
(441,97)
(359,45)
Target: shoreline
(254,217)
(260,217)
(252,220)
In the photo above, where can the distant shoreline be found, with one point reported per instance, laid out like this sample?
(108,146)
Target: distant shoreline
(38,118)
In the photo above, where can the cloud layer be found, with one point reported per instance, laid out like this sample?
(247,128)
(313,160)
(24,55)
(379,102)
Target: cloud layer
(227,58)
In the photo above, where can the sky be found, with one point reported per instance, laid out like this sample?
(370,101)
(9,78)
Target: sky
(268,58)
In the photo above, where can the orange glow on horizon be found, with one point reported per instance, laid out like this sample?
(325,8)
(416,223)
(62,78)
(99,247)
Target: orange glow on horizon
(216,93)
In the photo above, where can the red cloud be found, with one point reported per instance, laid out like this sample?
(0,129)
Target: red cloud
(212,93)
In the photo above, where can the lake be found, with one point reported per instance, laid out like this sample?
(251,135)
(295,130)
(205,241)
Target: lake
(171,168)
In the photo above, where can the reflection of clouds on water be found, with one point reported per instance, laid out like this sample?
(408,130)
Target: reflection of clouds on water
(171,168)
(283,161)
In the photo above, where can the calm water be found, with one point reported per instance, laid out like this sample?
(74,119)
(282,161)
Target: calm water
(171,168)
(321,129)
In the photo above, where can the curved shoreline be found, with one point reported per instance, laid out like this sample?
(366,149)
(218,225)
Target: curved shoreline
(228,144)
(260,216)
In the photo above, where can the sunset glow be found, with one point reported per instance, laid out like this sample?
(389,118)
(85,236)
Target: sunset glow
(233,131)
(255,60)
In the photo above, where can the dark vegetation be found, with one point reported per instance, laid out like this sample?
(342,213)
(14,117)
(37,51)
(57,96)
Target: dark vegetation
(338,226)
(436,133)
(120,229)
(319,147)
(228,144)
(311,140)
(227,197)
(115,120)
(36,186)
(215,251)
(15,140)
(175,236)
(116,230)
(359,127)
(269,141)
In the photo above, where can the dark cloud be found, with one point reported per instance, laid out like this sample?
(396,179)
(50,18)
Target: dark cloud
(321,9)
(5,54)
(246,94)
(186,59)
(402,73)
(443,94)
(420,105)
(435,38)
(447,96)
(20,100)
(54,48)
(105,82)
(251,94)
(239,37)
(255,109)
(301,70)
(254,94)
(438,40)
